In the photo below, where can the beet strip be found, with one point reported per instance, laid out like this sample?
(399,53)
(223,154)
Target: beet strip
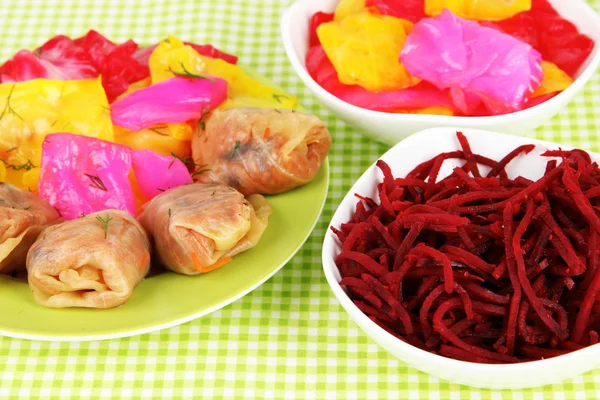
(582,202)
(538,353)
(590,273)
(385,234)
(464,143)
(463,256)
(422,250)
(385,202)
(388,178)
(464,236)
(537,186)
(356,233)
(371,265)
(437,271)
(540,245)
(593,192)
(586,307)
(422,170)
(462,355)
(464,296)
(388,298)
(515,301)
(484,294)
(424,312)
(367,200)
(526,149)
(427,285)
(474,196)
(562,243)
(407,243)
(534,301)
(372,311)
(455,340)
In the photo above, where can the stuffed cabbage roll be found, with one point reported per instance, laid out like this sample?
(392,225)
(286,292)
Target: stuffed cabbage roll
(260,150)
(94,261)
(23,215)
(198,228)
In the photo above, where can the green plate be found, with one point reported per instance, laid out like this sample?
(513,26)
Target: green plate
(170,299)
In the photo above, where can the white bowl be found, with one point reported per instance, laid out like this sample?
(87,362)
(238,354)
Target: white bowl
(391,128)
(402,158)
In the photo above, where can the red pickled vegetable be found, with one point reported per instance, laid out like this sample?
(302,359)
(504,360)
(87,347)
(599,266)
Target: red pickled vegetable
(557,39)
(317,19)
(422,95)
(412,10)
(482,269)
(89,56)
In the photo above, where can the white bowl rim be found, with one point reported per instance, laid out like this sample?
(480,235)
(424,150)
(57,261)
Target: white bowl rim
(382,335)
(465,121)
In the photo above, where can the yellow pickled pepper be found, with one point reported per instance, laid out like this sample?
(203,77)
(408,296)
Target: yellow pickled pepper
(349,7)
(478,10)
(172,55)
(555,80)
(32,109)
(364,48)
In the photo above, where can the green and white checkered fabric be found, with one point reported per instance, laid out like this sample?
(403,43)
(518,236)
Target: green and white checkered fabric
(289,339)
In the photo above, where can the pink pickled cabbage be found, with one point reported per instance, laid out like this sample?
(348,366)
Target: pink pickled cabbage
(170,101)
(479,65)
(416,97)
(81,175)
(156,173)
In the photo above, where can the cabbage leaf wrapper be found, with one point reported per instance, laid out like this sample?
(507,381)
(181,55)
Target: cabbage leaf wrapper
(94,261)
(23,215)
(198,228)
(260,151)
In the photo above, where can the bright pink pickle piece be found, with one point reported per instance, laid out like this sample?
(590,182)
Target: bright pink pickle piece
(171,101)
(82,175)
(156,173)
(477,64)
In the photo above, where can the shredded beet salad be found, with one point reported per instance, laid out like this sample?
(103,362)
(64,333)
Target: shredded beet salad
(480,268)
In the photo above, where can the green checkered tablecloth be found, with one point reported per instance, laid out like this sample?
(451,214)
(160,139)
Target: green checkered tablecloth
(289,338)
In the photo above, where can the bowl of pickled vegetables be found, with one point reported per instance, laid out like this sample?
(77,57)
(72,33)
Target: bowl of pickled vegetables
(392,68)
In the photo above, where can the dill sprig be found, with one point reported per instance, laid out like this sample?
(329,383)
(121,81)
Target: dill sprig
(27,166)
(201,171)
(96,182)
(8,108)
(188,74)
(235,147)
(104,223)
(187,161)
(203,116)
(156,130)
(278,97)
